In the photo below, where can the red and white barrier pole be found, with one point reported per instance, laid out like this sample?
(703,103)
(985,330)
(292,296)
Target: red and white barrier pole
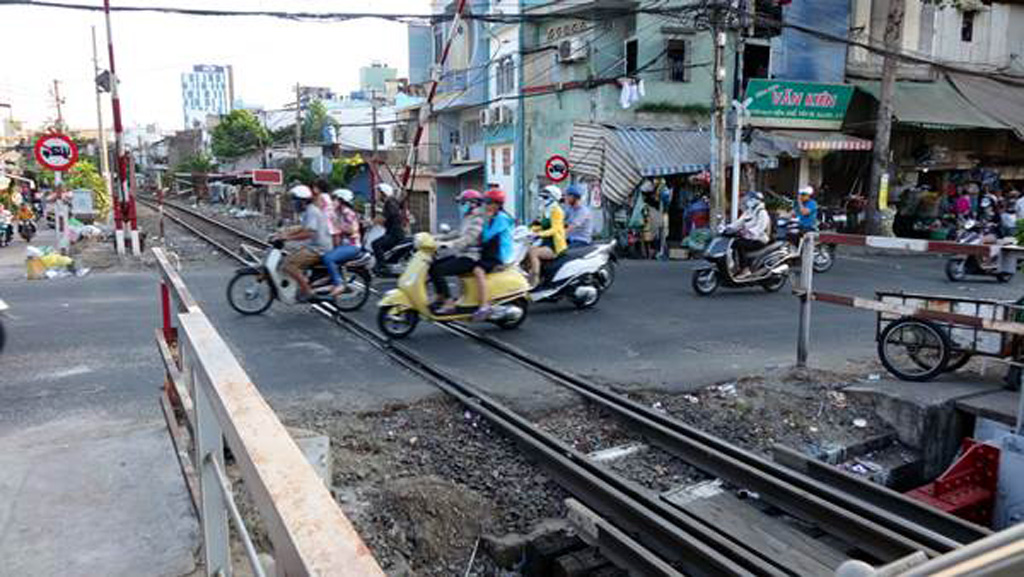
(124,203)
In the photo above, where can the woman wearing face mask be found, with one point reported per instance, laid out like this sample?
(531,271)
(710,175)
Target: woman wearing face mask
(465,244)
(551,230)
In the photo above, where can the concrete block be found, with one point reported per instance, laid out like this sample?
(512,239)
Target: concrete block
(509,550)
(317,449)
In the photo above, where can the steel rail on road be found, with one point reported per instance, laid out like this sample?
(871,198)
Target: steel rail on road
(674,536)
(856,518)
(208,223)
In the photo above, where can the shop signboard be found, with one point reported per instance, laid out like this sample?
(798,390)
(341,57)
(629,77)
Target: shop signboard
(784,104)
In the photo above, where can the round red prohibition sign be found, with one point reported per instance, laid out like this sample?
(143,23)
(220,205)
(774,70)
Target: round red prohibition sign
(557,168)
(56,151)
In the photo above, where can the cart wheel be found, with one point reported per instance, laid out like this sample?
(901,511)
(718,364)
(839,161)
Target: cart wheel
(914,349)
(957,360)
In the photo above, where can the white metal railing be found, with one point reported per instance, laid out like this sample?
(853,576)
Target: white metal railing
(208,400)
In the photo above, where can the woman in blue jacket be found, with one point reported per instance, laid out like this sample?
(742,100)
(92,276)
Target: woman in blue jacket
(497,248)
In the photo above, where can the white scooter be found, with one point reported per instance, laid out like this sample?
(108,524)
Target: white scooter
(255,287)
(577,275)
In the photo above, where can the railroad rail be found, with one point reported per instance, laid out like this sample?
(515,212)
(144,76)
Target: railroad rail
(860,514)
(223,236)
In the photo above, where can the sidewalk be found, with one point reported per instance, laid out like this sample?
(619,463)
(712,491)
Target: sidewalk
(89,482)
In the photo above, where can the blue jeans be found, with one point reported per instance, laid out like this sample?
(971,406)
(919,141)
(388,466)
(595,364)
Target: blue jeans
(337,256)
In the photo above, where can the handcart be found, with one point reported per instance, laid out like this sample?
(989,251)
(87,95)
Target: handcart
(921,336)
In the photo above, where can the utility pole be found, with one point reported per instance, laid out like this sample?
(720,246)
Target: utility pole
(879,190)
(104,158)
(373,158)
(56,98)
(718,133)
(298,126)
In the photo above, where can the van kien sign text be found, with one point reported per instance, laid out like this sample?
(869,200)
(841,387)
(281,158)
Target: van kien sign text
(798,104)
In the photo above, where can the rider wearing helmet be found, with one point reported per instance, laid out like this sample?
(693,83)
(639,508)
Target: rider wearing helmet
(497,248)
(551,229)
(465,247)
(806,209)
(752,228)
(348,245)
(578,224)
(312,232)
(391,219)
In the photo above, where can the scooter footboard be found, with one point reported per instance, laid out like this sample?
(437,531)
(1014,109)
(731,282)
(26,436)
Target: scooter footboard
(395,297)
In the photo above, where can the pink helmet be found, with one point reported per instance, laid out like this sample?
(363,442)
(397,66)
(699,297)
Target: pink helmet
(470,195)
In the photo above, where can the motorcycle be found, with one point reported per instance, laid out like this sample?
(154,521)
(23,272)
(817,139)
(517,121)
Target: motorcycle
(255,287)
(3,335)
(824,254)
(959,267)
(27,229)
(580,274)
(769,266)
(395,259)
(401,308)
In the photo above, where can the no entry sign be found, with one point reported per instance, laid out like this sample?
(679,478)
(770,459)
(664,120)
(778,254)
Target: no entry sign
(56,151)
(557,168)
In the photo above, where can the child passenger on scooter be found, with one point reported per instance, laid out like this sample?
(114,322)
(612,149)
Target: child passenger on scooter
(466,246)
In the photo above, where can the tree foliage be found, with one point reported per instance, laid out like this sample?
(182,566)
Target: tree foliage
(239,133)
(315,121)
(200,163)
(343,170)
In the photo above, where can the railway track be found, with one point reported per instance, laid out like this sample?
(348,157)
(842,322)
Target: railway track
(224,237)
(658,536)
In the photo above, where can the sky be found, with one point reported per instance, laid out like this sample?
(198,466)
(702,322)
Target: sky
(269,55)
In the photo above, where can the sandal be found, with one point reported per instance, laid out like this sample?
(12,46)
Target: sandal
(482,313)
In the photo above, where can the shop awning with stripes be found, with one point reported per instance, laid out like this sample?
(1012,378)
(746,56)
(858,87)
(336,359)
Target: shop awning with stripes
(809,140)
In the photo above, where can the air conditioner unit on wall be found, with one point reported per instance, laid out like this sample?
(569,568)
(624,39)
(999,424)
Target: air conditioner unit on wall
(399,134)
(485,117)
(460,154)
(572,50)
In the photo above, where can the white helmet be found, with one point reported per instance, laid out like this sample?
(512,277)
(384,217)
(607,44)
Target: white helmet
(551,193)
(386,189)
(301,191)
(344,195)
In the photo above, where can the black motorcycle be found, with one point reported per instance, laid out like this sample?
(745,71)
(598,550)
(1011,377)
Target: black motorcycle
(27,229)
(769,266)
(959,267)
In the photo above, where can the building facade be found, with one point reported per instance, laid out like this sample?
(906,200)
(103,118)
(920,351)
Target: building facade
(207,90)
(374,78)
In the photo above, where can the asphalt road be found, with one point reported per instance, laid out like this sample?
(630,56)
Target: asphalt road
(86,343)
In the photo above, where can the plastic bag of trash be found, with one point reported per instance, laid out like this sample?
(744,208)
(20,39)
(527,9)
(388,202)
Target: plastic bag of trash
(56,261)
(34,268)
(33,252)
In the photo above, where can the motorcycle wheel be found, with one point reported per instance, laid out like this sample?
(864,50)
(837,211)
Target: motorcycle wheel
(250,293)
(524,305)
(586,303)
(1004,277)
(824,258)
(395,323)
(705,281)
(606,276)
(774,283)
(956,269)
(359,284)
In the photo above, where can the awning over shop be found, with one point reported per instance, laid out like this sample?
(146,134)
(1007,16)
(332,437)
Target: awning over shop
(457,171)
(808,140)
(935,105)
(621,156)
(1003,101)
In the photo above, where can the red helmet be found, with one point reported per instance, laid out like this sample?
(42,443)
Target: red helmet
(496,195)
(470,195)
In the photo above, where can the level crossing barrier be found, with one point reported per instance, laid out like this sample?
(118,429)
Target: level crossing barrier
(210,404)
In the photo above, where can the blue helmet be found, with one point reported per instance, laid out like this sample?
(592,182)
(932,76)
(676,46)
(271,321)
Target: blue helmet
(574,190)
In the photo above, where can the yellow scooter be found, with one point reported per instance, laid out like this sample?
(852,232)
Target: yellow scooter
(400,309)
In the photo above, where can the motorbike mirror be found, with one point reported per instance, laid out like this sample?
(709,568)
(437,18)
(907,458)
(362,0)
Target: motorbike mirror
(444,228)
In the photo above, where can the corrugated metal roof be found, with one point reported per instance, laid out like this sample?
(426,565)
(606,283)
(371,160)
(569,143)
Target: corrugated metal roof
(621,156)
(665,151)
(457,171)
(933,105)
